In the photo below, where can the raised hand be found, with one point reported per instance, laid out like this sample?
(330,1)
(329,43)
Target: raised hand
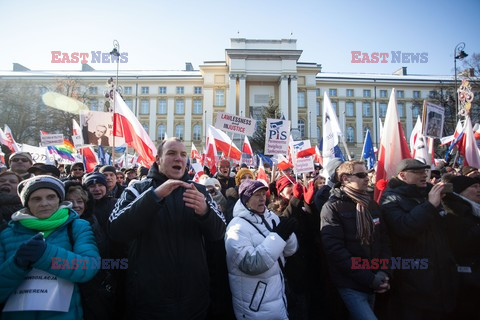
(168,186)
(195,199)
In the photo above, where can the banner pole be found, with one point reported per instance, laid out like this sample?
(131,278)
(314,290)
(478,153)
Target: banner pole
(230,148)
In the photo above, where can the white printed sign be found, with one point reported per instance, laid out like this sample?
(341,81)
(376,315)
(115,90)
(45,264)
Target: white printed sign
(302,165)
(235,124)
(41,291)
(51,139)
(276,136)
(39,154)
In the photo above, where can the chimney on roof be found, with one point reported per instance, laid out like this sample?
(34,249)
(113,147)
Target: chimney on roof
(19,67)
(188,66)
(401,72)
(87,67)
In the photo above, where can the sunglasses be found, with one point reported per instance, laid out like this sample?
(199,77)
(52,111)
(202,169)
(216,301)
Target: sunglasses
(20,159)
(361,175)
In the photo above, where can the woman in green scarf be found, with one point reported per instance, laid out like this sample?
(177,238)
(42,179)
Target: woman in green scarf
(39,266)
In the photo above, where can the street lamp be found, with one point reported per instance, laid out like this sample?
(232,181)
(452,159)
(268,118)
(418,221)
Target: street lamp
(458,53)
(116,53)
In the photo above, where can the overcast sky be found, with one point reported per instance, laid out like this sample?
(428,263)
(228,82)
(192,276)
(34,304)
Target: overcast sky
(163,35)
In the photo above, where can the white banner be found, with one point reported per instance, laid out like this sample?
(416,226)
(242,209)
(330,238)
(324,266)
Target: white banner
(235,124)
(434,118)
(39,154)
(77,141)
(302,165)
(41,291)
(51,139)
(276,136)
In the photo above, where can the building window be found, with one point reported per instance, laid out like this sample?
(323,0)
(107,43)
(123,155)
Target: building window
(219,98)
(197,90)
(197,106)
(332,92)
(180,90)
(92,90)
(301,127)
(301,99)
(432,94)
(162,106)
(367,93)
(145,90)
(383,109)
(145,107)
(129,104)
(349,109)
(400,110)
(349,92)
(367,109)
(179,131)
(161,131)
(317,92)
(383,93)
(365,128)
(350,134)
(179,106)
(400,94)
(334,107)
(94,105)
(416,94)
(415,111)
(197,132)
(162,90)
(319,111)
(127,90)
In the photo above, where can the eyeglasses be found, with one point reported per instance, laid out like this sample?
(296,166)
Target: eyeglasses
(20,159)
(361,175)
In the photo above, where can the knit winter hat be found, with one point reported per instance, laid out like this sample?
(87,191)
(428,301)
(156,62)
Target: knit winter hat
(108,169)
(240,174)
(248,188)
(27,187)
(284,182)
(93,178)
(21,154)
(460,183)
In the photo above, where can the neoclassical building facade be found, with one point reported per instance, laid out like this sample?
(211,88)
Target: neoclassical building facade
(182,103)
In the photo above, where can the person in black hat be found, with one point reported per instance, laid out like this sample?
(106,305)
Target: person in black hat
(463,231)
(415,217)
(114,189)
(131,174)
(77,170)
(96,184)
(45,169)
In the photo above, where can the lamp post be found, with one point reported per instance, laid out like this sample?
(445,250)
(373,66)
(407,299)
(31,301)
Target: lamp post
(458,53)
(116,53)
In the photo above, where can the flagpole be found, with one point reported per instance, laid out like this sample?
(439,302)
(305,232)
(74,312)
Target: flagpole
(346,148)
(230,148)
(115,52)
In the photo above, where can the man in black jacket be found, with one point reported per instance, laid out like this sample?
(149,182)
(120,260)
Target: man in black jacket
(415,220)
(166,219)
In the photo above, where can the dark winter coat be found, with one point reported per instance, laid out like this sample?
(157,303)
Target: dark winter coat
(167,267)
(9,204)
(416,230)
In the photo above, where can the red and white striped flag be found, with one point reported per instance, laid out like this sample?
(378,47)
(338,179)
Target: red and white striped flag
(469,149)
(194,153)
(247,148)
(225,144)
(9,141)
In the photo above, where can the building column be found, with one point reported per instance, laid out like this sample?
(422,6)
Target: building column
(294,101)
(341,116)
(170,117)
(359,122)
(312,116)
(242,96)
(152,119)
(188,120)
(409,120)
(232,95)
(208,109)
(283,105)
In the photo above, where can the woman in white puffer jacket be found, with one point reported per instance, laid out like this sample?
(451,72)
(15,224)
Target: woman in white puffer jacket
(257,241)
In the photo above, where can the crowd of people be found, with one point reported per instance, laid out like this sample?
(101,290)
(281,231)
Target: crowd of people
(231,245)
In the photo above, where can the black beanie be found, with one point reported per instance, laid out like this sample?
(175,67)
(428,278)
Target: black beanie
(460,183)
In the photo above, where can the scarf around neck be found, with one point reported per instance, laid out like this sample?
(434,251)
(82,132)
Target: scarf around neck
(48,225)
(364,218)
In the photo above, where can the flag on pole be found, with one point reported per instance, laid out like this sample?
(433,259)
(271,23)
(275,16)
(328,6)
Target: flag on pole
(126,125)
(10,142)
(102,159)
(223,143)
(247,148)
(261,174)
(317,158)
(418,143)
(469,148)
(393,146)
(194,153)
(368,153)
(211,153)
(306,153)
(331,130)
(90,159)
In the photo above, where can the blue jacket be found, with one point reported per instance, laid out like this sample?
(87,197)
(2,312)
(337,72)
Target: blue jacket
(58,245)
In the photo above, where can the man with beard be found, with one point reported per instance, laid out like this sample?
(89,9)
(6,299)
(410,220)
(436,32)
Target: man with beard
(166,218)
(9,199)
